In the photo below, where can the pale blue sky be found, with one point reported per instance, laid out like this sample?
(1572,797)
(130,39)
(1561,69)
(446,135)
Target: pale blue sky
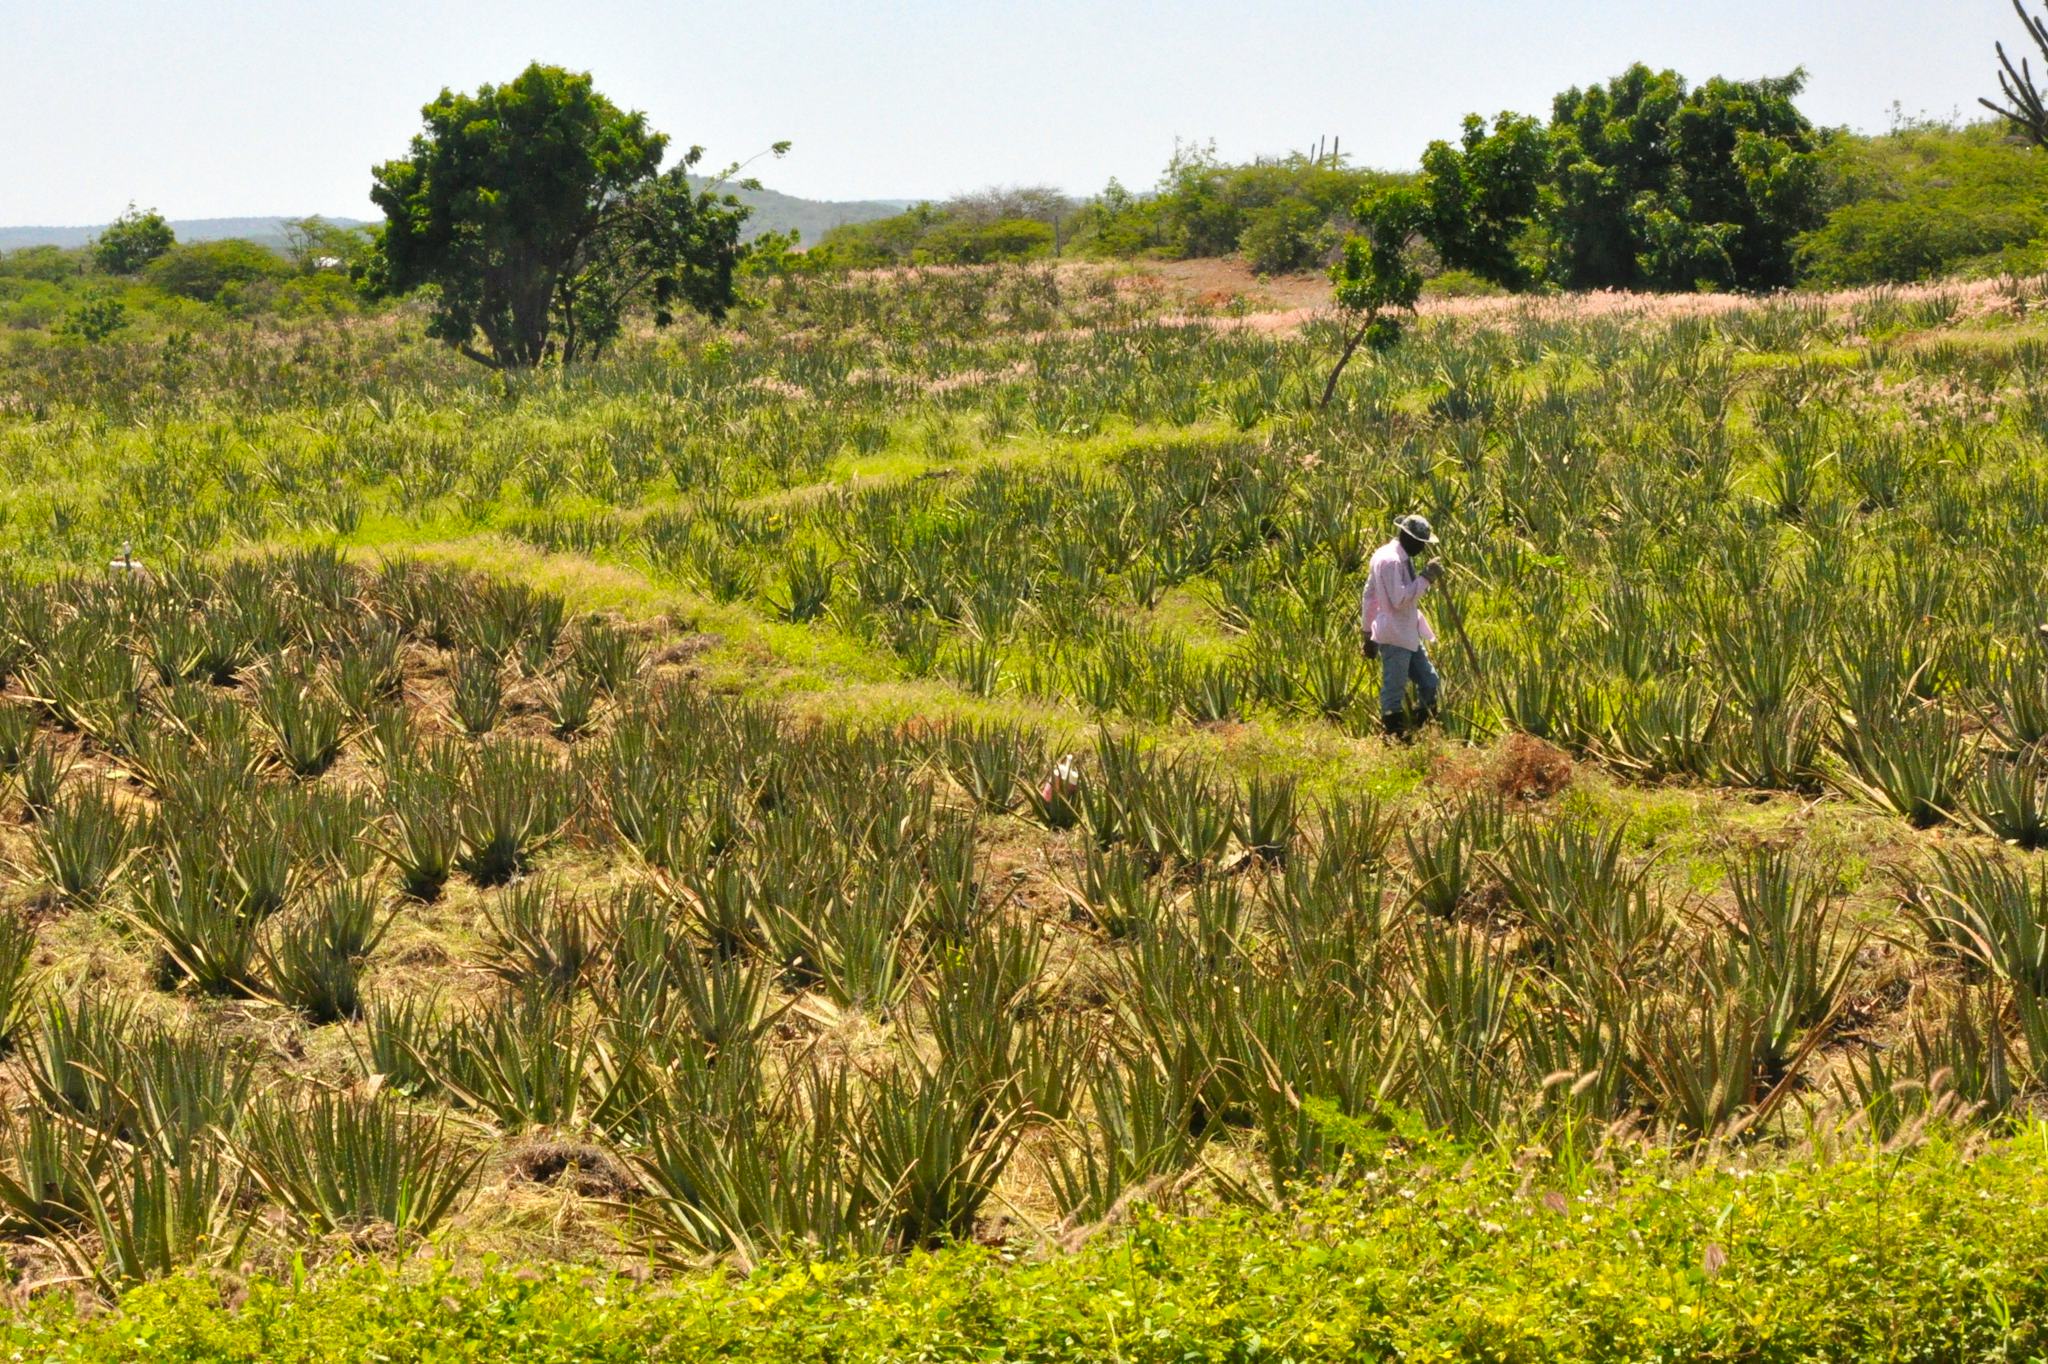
(209,108)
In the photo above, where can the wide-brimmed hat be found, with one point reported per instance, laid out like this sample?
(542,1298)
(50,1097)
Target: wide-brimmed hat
(1416,526)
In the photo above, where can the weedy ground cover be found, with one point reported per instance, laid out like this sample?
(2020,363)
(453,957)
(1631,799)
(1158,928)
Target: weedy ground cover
(1927,1256)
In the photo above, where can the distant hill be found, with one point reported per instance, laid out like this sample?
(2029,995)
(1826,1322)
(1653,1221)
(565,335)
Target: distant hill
(269,231)
(773,212)
(812,218)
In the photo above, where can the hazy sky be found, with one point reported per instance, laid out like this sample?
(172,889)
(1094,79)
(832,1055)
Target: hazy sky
(208,108)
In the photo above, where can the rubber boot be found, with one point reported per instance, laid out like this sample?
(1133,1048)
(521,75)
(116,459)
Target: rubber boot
(1395,723)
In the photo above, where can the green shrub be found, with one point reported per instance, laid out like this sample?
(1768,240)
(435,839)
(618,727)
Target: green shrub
(1282,237)
(1460,284)
(1925,201)
(210,272)
(977,244)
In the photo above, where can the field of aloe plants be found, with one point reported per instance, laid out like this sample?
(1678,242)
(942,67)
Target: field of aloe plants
(609,817)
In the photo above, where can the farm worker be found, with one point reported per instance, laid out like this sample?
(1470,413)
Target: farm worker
(1395,629)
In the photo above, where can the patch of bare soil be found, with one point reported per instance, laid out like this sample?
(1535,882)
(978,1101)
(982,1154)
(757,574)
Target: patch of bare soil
(1222,281)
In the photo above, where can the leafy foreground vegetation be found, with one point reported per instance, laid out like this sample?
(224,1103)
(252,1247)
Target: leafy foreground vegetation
(370,892)
(1918,1257)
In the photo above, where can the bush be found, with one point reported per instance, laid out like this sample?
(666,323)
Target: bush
(49,264)
(966,244)
(1204,206)
(885,241)
(93,319)
(322,294)
(211,272)
(931,234)
(1282,237)
(1461,284)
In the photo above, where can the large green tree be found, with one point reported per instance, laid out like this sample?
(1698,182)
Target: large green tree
(540,213)
(1479,196)
(132,241)
(1660,187)
(1640,183)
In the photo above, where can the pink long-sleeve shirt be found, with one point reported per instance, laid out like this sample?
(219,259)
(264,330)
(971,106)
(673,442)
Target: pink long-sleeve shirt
(1389,610)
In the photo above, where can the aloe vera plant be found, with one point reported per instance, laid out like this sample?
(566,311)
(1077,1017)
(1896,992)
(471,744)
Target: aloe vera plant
(514,801)
(1462,984)
(69,1056)
(807,584)
(931,1147)
(726,1005)
(83,684)
(179,1088)
(478,695)
(340,1163)
(50,1169)
(1142,1130)
(1447,860)
(570,702)
(41,775)
(17,737)
(1117,892)
(303,969)
(402,1042)
(307,725)
(742,1178)
(311,958)
(1793,951)
(1576,891)
(151,1218)
(1914,767)
(424,832)
(1701,1061)
(1268,821)
(1989,910)
(2008,799)
(521,1061)
(82,841)
(539,935)
(990,763)
(201,920)
(369,671)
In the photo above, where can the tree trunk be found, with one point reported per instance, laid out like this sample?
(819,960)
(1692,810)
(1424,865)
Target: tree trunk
(1351,345)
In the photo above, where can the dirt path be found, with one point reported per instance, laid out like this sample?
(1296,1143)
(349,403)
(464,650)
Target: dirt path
(1283,303)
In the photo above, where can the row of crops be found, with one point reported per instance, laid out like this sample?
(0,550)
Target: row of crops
(783,985)
(335,897)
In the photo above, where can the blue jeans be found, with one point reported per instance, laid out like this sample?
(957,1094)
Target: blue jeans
(1399,667)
